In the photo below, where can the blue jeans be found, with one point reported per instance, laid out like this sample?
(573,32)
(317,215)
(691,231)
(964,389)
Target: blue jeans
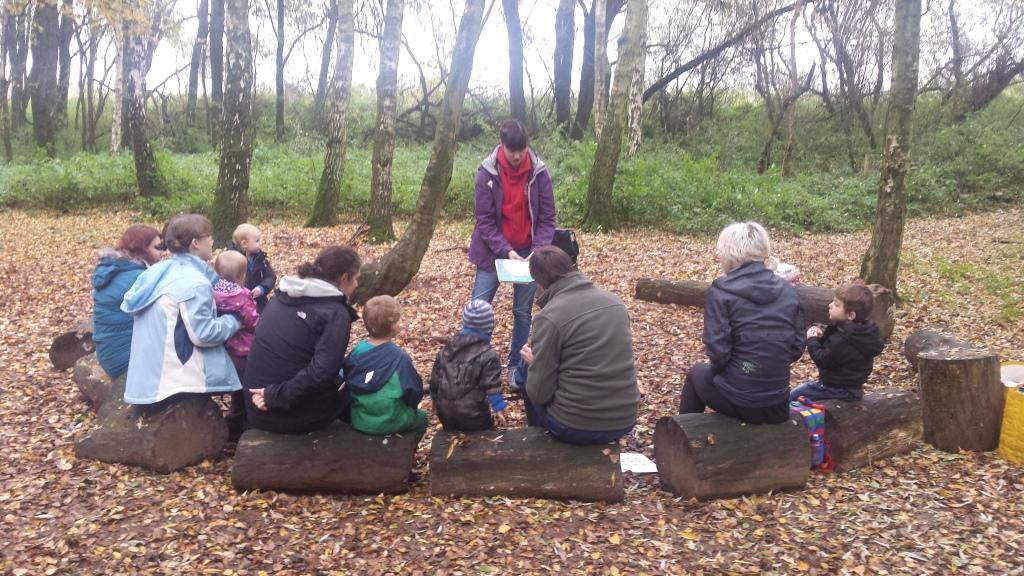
(485,286)
(537,415)
(815,391)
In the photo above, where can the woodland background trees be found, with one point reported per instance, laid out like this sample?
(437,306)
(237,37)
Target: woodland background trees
(788,111)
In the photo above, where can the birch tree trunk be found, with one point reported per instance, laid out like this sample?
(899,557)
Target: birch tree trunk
(794,87)
(635,114)
(325,65)
(6,32)
(565,37)
(42,79)
(396,268)
(198,51)
(514,28)
(65,31)
(17,51)
(600,66)
(231,200)
(325,206)
(134,68)
(600,210)
(117,92)
(881,263)
(279,75)
(216,69)
(379,217)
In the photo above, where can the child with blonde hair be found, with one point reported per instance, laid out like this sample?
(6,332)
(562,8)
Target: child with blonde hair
(259,275)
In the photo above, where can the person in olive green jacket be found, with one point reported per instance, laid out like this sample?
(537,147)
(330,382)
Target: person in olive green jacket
(384,385)
(581,384)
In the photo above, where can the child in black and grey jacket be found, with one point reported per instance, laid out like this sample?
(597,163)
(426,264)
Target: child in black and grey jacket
(845,351)
(465,382)
(259,275)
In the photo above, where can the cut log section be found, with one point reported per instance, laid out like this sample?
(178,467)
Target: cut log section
(93,382)
(707,456)
(67,348)
(525,462)
(815,300)
(335,459)
(885,423)
(178,432)
(931,339)
(961,398)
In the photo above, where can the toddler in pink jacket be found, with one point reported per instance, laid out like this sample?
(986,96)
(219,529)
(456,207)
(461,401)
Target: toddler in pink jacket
(232,297)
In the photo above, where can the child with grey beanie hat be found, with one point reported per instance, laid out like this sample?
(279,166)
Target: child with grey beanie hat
(465,382)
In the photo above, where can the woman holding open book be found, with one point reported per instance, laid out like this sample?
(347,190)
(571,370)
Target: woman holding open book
(515,215)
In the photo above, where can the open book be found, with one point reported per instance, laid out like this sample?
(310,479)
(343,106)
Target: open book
(515,271)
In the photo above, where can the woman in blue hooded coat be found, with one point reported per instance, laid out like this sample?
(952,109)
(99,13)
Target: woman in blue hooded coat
(139,248)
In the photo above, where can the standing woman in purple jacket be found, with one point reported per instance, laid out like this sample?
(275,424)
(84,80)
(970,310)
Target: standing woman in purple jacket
(515,215)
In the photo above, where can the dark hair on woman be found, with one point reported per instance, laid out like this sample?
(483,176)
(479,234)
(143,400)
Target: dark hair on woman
(332,263)
(181,230)
(549,265)
(513,134)
(136,239)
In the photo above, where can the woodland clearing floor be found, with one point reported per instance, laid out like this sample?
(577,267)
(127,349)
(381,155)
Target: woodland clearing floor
(926,512)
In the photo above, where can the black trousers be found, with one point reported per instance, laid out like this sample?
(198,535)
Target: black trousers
(700,392)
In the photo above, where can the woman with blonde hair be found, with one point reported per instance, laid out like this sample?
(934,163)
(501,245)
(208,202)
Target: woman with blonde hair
(753,331)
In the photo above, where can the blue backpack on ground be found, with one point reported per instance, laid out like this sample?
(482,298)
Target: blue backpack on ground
(813,416)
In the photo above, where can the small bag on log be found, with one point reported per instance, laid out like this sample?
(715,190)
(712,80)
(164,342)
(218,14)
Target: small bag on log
(707,456)
(93,382)
(884,423)
(335,459)
(961,398)
(183,430)
(525,462)
(67,348)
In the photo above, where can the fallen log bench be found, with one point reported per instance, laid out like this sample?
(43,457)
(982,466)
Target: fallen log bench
(962,397)
(815,300)
(67,348)
(524,462)
(180,431)
(93,382)
(708,456)
(335,459)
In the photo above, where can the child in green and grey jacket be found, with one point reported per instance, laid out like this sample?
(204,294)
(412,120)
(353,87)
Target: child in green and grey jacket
(384,385)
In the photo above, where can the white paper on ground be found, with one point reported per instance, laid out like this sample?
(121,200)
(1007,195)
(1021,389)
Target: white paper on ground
(637,463)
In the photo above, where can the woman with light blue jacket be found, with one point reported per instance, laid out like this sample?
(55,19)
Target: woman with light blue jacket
(177,338)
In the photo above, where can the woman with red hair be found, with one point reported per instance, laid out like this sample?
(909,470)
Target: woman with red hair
(140,247)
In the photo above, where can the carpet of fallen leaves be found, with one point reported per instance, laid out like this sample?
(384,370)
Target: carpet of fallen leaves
(926,512)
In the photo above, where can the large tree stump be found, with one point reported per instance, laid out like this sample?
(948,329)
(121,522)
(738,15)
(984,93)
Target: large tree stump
(525,462)
(961,398)
(67,348)
(932,339)
(708,456)
(814,300)
(885,423)
(178,432)
(335,459)
(93,382)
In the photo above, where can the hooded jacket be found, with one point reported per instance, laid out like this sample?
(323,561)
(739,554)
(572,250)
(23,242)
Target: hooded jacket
(234,299)
(466,371)
(296,354)
(488,243)
(385,388)
(177,338)
(582,369)
(111,327)
(845,353)
(258,272)
(753,331)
